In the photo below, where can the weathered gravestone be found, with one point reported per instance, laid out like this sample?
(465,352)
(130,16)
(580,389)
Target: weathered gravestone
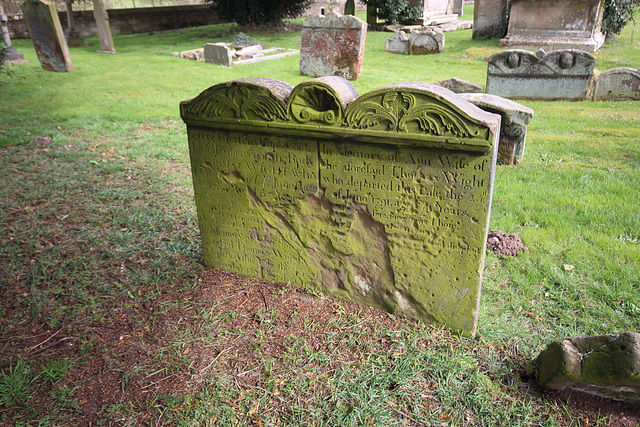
(426,42)
(333,45)
(218,53)
(513,130)
(555,24)
(561,74)
(382,199)
(47,35)
(104,29)
(489,18)
(398,43)
(458,85)
(617,84)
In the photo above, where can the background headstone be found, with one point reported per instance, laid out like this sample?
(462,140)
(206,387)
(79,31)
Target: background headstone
(382,199)
(426,42)
(398,43)
(74,39)
(520,74)
(218,53)
(333,45)
(554,25)
(47,35)
(489,18)
(434,12)
(457,7)
(617,84)
(104,29)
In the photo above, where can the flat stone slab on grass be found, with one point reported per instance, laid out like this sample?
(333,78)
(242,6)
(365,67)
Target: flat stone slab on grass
(457,85)
(605,365)
(520,74)
(383,198)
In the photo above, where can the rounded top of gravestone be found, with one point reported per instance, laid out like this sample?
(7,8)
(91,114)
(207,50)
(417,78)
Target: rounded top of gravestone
(334,20)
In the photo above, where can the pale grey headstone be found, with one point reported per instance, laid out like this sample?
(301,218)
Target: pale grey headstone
(617,84)
(520,74)
(218,53)
(398,44)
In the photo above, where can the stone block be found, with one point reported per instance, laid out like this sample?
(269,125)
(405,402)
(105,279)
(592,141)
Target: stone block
(555,25)
(399,43)
(435,12)
(218,53)
(333,45)
(426,42)
(520,74)
(383,198)
(617,84)
(605,365)
(457,85)
(513,129)
(47,35)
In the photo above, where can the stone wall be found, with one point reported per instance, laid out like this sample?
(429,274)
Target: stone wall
(130,21)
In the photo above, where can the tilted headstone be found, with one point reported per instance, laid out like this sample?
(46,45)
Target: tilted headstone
(513,129)
(605,365)
(457,85)
(617,84)
(104,29)
(398,43)
(47,35)
(218,53)
(10,52)
(426,42)
(333,45)
(382,198)
(555,25)
(561,74)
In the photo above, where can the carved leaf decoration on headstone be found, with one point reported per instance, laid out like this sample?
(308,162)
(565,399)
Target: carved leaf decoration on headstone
(397,109)
(238,101)
(435,119)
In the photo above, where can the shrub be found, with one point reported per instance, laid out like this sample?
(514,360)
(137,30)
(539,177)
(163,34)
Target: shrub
(258,12)
(394,11)
(617,14)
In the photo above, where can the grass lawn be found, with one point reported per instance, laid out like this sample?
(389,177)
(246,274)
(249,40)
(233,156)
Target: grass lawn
(107,316)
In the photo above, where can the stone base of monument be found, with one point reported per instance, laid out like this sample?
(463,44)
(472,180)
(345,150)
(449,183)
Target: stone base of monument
(12,55)
(382,199)
(590,44)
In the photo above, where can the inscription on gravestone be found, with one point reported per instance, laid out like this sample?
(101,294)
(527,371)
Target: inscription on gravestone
(382,199)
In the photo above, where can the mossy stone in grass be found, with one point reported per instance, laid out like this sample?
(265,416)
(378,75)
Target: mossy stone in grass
(607,365)
(382,199)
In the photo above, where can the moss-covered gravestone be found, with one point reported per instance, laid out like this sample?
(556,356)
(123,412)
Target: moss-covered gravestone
(382,199)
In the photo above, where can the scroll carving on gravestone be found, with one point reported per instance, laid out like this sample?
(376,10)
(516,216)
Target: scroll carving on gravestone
(561,74)
(47,35)
(382,199)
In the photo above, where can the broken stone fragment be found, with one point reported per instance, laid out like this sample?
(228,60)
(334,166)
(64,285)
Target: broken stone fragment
(605,365)
(457,85)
